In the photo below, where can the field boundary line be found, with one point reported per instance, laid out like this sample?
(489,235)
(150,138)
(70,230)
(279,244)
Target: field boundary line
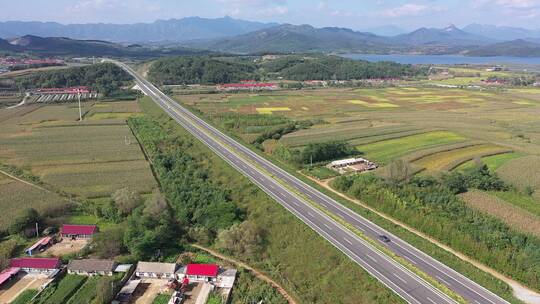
(256,272)
(521,291)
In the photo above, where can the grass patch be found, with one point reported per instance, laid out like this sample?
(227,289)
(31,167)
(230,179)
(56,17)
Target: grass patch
(523,201)
(384,151)
(522,172)
(320,173)
(374,105)
(162,299)
(87,292)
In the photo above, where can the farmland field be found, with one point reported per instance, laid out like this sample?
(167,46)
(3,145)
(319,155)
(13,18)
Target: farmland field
(438,128)
(495,206)
(62,291)
(448,160)
(384,151)
(88,159)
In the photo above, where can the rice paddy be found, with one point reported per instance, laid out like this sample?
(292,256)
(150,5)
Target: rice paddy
(272,110)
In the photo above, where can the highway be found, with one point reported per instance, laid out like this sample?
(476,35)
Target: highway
(272,179)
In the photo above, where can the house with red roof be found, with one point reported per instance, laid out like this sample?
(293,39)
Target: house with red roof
(201,272)
(8,274)
(40,245)
(78,231)
(36,265)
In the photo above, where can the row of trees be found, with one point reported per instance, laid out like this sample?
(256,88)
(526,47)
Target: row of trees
(198,70)
(431,205)
(214,70)
(105,78)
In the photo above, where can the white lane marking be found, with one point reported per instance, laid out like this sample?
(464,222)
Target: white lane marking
(400,278)
(327,227)
(429,299)
(310,214)
(443,281)
(347,240)
(371,258)
(360,228)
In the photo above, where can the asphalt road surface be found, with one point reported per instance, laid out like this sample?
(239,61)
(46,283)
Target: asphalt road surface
(271,179)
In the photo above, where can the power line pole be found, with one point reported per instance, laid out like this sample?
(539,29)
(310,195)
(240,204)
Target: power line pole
(80,111)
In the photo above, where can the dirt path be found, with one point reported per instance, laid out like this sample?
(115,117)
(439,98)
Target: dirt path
(256,272)
(521,292)
(23,181)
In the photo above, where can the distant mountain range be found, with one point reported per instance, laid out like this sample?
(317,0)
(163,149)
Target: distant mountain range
(190,28)
(298,38)
(247,37)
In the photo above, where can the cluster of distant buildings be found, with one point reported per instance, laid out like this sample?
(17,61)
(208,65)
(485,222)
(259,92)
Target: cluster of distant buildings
(11,63)
(247,85)
(349,165)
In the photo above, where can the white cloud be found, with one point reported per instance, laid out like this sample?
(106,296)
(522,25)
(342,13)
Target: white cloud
(409,9)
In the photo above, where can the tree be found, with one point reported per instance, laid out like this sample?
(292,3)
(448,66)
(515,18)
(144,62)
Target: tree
(399,171)
(244,239)
(156,204)
(126,200)
(26,217)
(104,290)
(109,244)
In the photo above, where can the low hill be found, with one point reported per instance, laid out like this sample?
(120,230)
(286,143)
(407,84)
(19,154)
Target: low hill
(59,46)
(298,38)
(519,48)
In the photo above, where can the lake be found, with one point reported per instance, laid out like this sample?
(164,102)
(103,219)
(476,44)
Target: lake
(445,59)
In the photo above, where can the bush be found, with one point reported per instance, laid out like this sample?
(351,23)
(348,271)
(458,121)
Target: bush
(320,152)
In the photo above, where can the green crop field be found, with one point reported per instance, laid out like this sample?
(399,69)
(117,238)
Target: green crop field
(86,293)
(25,297)
(62,291)
(384,151)
(493,162)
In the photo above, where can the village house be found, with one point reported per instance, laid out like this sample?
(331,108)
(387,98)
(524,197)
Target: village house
(37,265)
(91,267)
(78,231)
(156,270)
(201,272)
(8,274)
(226,278)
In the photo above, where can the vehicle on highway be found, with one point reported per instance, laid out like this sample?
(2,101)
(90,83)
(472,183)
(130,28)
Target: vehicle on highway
(383,238)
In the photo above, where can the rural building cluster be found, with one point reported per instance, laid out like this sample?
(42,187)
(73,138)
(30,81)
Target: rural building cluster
(63,94)
(247,86)
(143,280)
(11,63)
(357,165)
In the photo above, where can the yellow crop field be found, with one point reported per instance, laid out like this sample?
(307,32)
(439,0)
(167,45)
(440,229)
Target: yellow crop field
(272,110)
(374,105)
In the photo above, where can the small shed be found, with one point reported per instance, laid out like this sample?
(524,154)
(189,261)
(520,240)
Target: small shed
(226,278)
(126,293)
(91,267)
(8,274)
(79,231)
(156,270)
(39,245)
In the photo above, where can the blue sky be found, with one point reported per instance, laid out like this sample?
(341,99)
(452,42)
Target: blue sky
(356,14)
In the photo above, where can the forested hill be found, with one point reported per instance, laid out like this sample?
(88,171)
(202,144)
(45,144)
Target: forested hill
(215,70)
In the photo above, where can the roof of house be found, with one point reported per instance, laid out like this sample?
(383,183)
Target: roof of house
(247,85)
(207,270)
(156,267)
(91,265)
(37,263)
(7,274)
(79,229)
(130,287)
(41,242)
